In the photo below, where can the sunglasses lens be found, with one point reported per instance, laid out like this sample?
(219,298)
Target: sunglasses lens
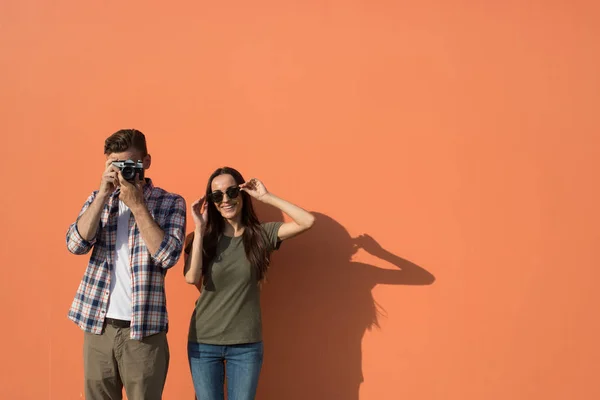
(216,197)
(233,192)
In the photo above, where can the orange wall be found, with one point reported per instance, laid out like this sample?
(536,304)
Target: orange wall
(459,135)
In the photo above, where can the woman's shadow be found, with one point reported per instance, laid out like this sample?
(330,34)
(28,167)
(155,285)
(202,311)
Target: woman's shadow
(317,305)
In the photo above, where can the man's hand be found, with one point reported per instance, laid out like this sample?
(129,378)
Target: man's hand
(132,194)
(87,224)
(109,181)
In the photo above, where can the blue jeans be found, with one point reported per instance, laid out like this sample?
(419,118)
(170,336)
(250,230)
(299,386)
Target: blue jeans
(207,363)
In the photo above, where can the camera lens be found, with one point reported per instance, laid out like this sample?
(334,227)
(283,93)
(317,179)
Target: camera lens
(128,173)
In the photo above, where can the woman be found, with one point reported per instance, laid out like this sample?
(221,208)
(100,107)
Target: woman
(227,258)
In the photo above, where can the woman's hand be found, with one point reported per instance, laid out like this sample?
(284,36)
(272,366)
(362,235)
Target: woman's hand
(255,188)
(200,214)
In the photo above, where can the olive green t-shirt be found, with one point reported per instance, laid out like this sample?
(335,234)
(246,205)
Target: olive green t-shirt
(228,309)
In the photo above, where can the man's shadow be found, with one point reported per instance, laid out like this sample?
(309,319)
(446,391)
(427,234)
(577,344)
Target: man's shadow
(317,305)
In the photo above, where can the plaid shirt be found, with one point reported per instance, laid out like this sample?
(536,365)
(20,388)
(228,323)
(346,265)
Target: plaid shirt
(149,307)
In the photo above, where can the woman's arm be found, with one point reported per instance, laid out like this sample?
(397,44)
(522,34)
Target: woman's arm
(302,220)
(192,269)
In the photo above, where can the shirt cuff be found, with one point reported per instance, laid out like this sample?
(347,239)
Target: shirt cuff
(77,244)
(165,249)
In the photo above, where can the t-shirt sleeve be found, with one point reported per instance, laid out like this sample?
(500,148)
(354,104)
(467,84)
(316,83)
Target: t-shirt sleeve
(271,230)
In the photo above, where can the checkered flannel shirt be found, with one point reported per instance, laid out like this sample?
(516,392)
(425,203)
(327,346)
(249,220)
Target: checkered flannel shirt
(149,307)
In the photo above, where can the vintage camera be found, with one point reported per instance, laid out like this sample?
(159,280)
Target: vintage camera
(129,169)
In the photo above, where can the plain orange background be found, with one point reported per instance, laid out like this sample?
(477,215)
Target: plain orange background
(461,136)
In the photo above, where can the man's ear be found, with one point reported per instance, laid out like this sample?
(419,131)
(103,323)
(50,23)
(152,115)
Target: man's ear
(147,161)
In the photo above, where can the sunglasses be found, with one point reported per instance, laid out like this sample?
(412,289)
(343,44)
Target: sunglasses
(217,196)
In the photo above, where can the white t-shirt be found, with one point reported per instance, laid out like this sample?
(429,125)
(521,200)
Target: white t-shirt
(119,304)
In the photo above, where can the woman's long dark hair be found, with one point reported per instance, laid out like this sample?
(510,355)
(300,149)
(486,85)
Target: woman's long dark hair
(255,243)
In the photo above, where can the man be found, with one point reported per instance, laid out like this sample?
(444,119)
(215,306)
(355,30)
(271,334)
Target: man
(135,231)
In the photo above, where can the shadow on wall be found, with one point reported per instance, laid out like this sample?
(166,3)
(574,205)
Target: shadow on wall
(317,306)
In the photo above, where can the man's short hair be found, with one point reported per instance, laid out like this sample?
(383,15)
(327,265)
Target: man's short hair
(126,139)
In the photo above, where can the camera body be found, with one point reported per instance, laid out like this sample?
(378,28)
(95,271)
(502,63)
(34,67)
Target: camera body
(129,169)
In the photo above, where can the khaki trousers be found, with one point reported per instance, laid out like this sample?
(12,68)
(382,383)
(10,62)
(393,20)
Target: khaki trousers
(112,361)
